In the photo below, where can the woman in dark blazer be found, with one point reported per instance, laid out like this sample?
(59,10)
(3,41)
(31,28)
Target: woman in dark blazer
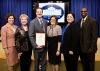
(23,44)
(70,43)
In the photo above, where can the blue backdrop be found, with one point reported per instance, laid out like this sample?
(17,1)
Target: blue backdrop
(18,7)
(93,7)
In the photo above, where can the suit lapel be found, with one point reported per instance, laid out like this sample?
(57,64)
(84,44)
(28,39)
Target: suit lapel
(44,25)
(86,22)
(10,27)
(38,23)
(79,22)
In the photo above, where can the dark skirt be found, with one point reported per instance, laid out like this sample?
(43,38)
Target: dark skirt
(52,49)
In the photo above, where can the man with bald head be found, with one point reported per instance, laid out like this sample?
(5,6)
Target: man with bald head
(88,40)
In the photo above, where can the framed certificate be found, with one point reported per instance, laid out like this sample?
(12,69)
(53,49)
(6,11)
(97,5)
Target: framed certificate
(40,38)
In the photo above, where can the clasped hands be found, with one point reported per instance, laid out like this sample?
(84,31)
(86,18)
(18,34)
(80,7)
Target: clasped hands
(71,52)
(90,51)
(39,46)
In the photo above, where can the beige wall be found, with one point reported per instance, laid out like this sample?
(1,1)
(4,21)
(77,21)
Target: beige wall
(98,52)
(2,55)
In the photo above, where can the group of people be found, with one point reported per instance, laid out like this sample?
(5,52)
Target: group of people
(80,39)
(15,42)
(73,40)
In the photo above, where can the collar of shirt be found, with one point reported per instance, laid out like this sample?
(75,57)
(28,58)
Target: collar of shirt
(84,18)
(39,20)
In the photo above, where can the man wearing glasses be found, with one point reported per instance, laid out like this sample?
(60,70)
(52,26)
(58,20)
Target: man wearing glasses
(88,40)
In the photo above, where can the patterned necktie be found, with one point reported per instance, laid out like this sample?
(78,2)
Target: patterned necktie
(41,23)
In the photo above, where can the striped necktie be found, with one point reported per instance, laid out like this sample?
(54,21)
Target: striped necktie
(42,26)
(41,23)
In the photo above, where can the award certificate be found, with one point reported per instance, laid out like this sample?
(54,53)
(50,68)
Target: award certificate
(41,39)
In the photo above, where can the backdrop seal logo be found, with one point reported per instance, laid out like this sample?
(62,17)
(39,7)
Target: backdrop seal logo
(52,9)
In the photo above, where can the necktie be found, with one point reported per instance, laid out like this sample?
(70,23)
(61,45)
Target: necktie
(82,23)
(82,33)
(41,23)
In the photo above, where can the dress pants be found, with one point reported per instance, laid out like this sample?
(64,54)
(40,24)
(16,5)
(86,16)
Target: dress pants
(71,62)
(88,61)
(25,60)
(40,60)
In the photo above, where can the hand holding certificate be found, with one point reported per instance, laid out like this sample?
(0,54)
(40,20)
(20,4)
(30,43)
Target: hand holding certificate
(40,39)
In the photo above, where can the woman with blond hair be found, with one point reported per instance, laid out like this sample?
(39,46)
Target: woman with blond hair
(23,44)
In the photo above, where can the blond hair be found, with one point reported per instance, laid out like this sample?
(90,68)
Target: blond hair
(23,15)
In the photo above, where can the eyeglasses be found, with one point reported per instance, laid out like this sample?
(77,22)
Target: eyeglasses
(83,11)
(53,19)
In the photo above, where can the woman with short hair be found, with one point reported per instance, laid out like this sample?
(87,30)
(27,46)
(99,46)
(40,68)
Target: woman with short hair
(8,41)
(23,44)
(54,41)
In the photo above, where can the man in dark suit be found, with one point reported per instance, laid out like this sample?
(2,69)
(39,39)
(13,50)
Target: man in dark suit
(88,40)
(38,25)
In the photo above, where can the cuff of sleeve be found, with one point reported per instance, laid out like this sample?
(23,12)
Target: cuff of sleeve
(59,38)
(4,47)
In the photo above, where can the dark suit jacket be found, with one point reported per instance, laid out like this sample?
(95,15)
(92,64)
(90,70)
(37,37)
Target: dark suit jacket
(36,27)
(71,39)
(88,35)
(22,40)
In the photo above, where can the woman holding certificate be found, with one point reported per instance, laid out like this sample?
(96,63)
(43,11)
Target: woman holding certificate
(54,41)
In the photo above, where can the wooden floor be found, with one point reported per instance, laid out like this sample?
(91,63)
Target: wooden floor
(3,64)
(2,54)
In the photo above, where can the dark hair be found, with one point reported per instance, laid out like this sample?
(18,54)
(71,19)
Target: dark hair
(38,8)
(72,14)
(8,15)
(55,18)
(85,8)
